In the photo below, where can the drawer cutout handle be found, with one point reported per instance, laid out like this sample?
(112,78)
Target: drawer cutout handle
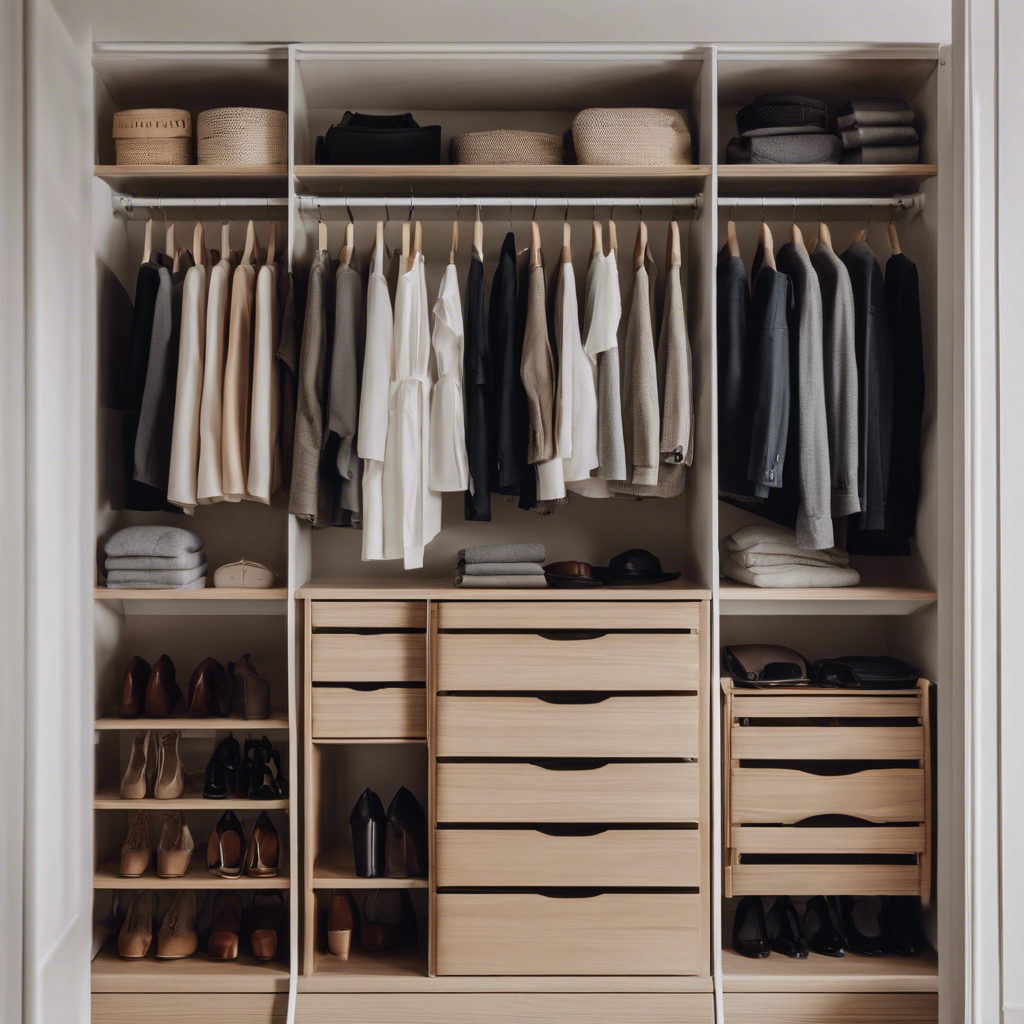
(567,764)
(574,698)
(570,894)
(571,830)
(572,634)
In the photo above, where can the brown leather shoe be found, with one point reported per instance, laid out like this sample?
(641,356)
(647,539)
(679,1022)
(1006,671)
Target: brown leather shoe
(138,846)
(209,690)
(263,853)
(134,687)
(162,692)
(253,689)
(266,923)
(136,935)
(227,923)
(340,923)
(178,937)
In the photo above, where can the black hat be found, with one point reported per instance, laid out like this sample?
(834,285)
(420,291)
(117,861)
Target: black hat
(634,567)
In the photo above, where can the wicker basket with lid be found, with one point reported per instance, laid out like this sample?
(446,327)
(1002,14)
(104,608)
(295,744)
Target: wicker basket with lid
(640,136)
(242,136)
(153,135)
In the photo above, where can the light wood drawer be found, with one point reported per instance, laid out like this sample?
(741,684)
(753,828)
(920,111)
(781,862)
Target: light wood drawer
(369,658)
(782,795)
(534,727)
(826,704)
(387,712)
(831,1007)
(182,1003)
(492,858)
(620,792)
(369,614)
(793,839)
(811,743)
(527,933)
(532,661)
(495,615)
(814,879)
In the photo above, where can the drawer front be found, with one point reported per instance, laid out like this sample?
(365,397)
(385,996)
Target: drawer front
(388,712)
(826,704)
(878,839)
(533,727)
(493,858)
(551,661)
(369,658)
(786,796)
(835,879)
(494,615)
(527,933)
(834,1007)
(893,743)
(184,1001)
(369,614)
(620,792)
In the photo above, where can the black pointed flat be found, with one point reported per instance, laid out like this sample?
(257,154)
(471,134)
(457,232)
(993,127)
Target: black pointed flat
(783,923)
(858,917)
(749,930)
(821,929)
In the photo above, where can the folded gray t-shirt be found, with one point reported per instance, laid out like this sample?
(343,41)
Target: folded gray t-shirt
(503,553)
(169,541)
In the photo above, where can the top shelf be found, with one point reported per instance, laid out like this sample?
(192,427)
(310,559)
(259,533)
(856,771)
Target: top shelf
(199,180)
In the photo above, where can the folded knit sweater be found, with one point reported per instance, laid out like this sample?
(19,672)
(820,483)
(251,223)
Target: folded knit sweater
(167,541)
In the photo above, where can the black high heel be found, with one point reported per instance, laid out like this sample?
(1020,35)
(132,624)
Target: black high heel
(749,930)
(223,770)
(368,824)
(821,929)
(900,922)
(405,843)
(388,920)
(264,780)
(858,917)
(783,924)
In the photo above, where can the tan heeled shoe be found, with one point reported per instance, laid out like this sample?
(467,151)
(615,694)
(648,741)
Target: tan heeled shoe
(138,846)
(136,935)
(340,923)
(263,852)
(170,772)
(136,775)
(174,851)
(178,937)
(227,924)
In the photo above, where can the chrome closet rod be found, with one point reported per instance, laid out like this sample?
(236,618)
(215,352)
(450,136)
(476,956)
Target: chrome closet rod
(909,202)
(126,204)
(399,203)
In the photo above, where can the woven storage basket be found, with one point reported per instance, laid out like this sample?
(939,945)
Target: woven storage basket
(242,136)
(504,146)
(153,135)
(641,136)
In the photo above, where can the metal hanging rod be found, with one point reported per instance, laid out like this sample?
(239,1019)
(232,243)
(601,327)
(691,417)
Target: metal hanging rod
(682,203)
(126,204)
(910,202)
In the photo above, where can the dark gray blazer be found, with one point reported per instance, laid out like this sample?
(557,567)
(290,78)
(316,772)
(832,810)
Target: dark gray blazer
(734,370)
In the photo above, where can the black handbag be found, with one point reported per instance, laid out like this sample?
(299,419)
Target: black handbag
(379,139)
(866,672)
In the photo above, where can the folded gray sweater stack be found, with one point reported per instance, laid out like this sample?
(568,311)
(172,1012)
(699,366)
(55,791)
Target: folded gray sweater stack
(878,131)
(765,555)
(502,565)
(155,558)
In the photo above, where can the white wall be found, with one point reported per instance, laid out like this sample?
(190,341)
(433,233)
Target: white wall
(597,21)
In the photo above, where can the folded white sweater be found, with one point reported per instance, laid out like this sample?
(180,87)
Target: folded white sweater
(769,539)
(791,577)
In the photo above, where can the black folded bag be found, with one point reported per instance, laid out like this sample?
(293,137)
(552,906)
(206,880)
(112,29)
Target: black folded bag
(782,112)
(379,139)
(865,672)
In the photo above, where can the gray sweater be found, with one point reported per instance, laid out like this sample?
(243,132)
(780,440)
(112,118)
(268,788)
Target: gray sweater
(840,358)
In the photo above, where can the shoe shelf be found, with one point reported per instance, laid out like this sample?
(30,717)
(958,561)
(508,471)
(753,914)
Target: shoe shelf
(108,798)
(197,877)
(277,722)
(742,599)
(335,869)
(393,965)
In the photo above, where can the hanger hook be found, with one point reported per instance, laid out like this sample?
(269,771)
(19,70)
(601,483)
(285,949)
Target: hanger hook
(535,201)
(195,216)
(762,209)
(458,205)
(412,204)
(566,217)
(510,211)
(163,211)
(794,209)
(871,210)
(348,210)
(892,210)
(640,208)
(319,214)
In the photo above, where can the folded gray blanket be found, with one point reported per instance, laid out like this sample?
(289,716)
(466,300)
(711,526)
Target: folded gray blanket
(882,155)
(508,582)
(503,553)
(758,560)
(891,135)
(198,584)
(169,541)
(874,111)
(157,577)
(189,560)
(784,149)
(798,576)
(501,569)
(771,539)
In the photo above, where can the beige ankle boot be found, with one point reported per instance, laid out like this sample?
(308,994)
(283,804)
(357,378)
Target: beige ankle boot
(170,772)
(136,935)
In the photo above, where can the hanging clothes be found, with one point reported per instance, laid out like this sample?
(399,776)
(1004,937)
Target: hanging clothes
(449,469)
(210,484)
(641,426)
(264,475)
(309,410)
(737,359)
(477,384)
(287,369)
(340,472)
(412,511)
(840,359)
(373,404)
(234,451)
(156,417)
(873,342)
(537,370)
(183,471)
(903,303)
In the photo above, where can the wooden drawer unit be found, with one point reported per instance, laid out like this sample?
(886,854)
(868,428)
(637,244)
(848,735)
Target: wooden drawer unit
(831,1007)
(634,857)
(796,754)
(368,642)
(616,792)
(385,712)
(527,726)
(608,933)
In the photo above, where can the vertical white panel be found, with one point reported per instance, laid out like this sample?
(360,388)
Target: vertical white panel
(60,402)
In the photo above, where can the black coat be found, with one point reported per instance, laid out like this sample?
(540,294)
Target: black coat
(734,373)
(477,373)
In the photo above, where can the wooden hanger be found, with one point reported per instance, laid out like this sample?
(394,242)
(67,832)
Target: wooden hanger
(764,237)
(225,239)
(348,247)
(535,254)
(378,240)
(478,234)
(613,236)
(641,245)
(147,241)
(796,236)
(732,243)
(566,238)
(812,243)
(673,250)
(321,231)
(406,243)
(860,236)
(251,253)
(271,241)
(417,238)
(824,234)
(597,239)
(455,240)
(169,243)
(199,252)
(890,233)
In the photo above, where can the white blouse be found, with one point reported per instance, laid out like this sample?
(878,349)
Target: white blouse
(265,409)
(210,487)
(449,464)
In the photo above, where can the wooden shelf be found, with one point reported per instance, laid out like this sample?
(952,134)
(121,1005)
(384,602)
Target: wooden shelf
(208,601)
(277,722)
(742,599)
(206,594)
(346,589)
(108,798)
(501,179)
(196,973)
(195,180)
(335,869)
(362,966)
(197,877)
(822,179)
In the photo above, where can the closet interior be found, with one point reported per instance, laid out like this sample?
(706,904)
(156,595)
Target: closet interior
(383,678)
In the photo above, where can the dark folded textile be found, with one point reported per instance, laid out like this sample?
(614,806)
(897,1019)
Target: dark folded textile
(878,110)
(882,155)
(891,135)
(781,110)
(802,129)
(784,149)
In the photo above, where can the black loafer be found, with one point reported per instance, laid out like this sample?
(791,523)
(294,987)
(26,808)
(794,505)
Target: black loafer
(749,931)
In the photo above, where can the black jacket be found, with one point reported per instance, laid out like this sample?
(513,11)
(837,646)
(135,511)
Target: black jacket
(477,372)
(734,374)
